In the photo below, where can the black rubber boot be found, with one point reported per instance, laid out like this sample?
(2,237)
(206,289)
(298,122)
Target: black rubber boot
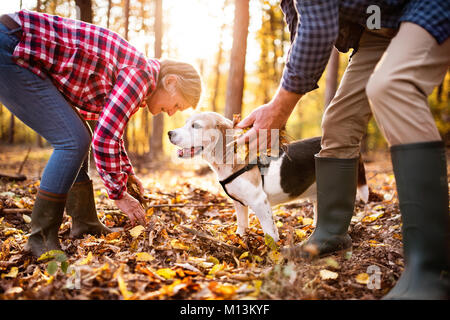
(81,207)
(336,181)
(421,176)
(46,218)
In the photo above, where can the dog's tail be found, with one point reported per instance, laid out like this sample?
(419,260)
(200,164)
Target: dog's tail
(363,190)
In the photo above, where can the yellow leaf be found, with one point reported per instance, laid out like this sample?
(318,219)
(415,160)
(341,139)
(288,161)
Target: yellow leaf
(12,273)
(26,218)
(376,227)
(123,288)
(328,275)
(136,231)
(270,242)
(279,224)
(275,256)
(216,268)
(301,234)
(332,263)
(150,211)
(307,221)
(244,255)
(362,278)
(144,256)
(166,273)
(176,244)
(213,260)
(86,260)
(372,217)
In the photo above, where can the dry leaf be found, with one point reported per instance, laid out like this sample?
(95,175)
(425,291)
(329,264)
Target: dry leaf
(136,231)
(328,275)
(362,278)
(166,273)
(12,273)
(86,260)
(144,257)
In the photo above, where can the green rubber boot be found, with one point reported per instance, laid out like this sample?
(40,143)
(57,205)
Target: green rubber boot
(421,176)
(46,218)
(81,207)
(336,181)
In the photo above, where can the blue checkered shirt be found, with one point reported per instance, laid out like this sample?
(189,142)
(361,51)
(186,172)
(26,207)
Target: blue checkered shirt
(327,23)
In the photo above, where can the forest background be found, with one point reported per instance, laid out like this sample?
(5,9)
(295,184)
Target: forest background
(248,40)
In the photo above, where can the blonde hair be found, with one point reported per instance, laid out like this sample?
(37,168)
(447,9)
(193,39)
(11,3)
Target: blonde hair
(189,82)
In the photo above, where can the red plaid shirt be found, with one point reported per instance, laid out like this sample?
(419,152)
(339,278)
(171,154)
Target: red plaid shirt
(98,72)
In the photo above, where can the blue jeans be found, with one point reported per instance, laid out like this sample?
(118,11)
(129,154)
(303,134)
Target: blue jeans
(39,104)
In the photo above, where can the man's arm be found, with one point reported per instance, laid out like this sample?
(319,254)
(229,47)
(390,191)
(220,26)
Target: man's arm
(308,56)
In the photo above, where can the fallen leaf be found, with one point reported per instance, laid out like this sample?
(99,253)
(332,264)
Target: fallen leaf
(166,273)
(136,231)
(244,255)
(123,288)
(268,240)
(12,273)
(176,244)
(362,278)
(86,260)
(372,217)
(216,268)
(301,234)
(144,257)
(328,275)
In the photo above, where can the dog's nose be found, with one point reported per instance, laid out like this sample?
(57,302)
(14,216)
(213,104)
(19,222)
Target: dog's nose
(171,133)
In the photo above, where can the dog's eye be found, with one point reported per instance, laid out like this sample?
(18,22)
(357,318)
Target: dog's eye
(196,125)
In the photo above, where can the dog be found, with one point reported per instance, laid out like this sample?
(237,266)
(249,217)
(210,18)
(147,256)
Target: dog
(284,178)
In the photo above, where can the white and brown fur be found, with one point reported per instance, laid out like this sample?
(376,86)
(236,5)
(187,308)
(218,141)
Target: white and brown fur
(287,178)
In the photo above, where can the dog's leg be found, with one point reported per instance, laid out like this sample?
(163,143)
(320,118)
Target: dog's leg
(263,211)
(241,217)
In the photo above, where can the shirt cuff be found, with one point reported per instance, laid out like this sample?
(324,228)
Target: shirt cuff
(293,83)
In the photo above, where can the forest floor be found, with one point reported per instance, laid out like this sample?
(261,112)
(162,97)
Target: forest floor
(189,249)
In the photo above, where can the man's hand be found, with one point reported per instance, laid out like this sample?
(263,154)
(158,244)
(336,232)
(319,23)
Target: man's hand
(272,115)
(132,208)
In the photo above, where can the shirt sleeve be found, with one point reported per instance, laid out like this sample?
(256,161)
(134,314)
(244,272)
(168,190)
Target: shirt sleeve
(124,160)
(316,33)
(110,156)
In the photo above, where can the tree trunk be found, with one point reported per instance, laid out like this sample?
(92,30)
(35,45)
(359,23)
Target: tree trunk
(108,14)
(331,78)
(235,83)
(218,63)
(156,139)
(85,7)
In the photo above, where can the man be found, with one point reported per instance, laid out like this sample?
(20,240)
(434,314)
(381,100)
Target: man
(390,74)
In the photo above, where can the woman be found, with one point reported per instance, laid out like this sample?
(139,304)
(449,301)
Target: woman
(50,69)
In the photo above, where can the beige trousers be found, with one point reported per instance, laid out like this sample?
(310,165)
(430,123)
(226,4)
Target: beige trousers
(390,77)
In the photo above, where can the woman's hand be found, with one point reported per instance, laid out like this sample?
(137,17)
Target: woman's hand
(132,208)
